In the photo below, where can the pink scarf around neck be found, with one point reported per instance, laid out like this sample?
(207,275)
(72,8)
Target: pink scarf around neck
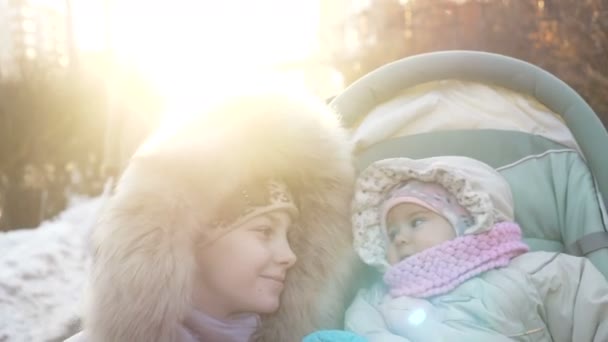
(442,268)
(200,327)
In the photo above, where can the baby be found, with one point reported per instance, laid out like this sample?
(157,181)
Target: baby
(454,267)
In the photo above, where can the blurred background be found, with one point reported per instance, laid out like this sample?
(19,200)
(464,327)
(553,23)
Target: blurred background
(83,82)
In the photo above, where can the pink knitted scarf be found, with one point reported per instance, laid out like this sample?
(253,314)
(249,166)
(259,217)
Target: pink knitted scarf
(442,268)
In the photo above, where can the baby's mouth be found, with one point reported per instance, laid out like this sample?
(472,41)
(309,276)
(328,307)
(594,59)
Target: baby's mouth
(405,254)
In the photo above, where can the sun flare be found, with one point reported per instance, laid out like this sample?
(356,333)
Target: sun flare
(190,50)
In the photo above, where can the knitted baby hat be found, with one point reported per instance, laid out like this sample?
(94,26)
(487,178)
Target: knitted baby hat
(476,186)
(433,197)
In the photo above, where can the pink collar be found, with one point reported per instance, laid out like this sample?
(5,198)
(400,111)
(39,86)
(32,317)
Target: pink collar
(442,268)
(199,326)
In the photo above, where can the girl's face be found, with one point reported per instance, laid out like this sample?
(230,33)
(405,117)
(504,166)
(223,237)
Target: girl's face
(244,270)
(412,229)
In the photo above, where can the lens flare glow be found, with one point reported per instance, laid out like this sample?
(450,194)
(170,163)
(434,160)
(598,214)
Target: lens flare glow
(417,317)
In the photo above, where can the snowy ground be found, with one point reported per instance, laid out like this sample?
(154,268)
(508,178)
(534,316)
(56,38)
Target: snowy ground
(42,274)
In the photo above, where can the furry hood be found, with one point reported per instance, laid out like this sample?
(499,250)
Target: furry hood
(477,187)
(143,263)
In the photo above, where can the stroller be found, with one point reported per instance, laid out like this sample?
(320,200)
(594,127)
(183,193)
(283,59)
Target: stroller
(529,125)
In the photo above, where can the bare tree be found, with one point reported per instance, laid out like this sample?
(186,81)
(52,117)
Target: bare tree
(568,37)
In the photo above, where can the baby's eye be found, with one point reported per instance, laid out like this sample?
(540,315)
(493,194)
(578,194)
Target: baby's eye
(392,233)
(417,222)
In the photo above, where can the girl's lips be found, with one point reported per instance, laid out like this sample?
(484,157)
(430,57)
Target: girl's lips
(275,278)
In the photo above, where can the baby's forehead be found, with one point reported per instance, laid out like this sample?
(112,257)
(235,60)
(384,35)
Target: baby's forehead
(407,209)
(418,187)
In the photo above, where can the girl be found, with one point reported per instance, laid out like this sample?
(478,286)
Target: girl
(454,267)
(199,240)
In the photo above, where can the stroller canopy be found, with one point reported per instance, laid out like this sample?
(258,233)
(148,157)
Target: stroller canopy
(559,188)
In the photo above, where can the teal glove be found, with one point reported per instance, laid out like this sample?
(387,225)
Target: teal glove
(333,336)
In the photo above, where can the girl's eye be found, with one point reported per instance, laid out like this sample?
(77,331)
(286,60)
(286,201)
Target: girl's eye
(417,222)
(265,231)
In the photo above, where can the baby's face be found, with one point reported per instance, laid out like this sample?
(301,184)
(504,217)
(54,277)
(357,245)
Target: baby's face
(412,229)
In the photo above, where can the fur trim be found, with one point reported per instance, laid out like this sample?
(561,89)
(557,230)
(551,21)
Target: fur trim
(144,242)
(477,187)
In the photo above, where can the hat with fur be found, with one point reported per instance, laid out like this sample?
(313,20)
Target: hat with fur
(217,169)
(482,198)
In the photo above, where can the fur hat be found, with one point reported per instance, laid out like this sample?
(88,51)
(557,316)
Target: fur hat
(181,187)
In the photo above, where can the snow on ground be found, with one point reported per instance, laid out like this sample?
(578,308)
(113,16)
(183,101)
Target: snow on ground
(42,275)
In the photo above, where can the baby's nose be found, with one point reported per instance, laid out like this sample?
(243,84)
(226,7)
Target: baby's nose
(402,238)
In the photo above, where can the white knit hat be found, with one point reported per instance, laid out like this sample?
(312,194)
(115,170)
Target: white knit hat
(477,187)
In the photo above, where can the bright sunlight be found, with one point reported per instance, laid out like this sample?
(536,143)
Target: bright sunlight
(193,49)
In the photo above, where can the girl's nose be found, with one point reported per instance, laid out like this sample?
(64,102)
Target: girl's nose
(285,255)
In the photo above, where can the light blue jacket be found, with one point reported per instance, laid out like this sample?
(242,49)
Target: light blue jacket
(540,296)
